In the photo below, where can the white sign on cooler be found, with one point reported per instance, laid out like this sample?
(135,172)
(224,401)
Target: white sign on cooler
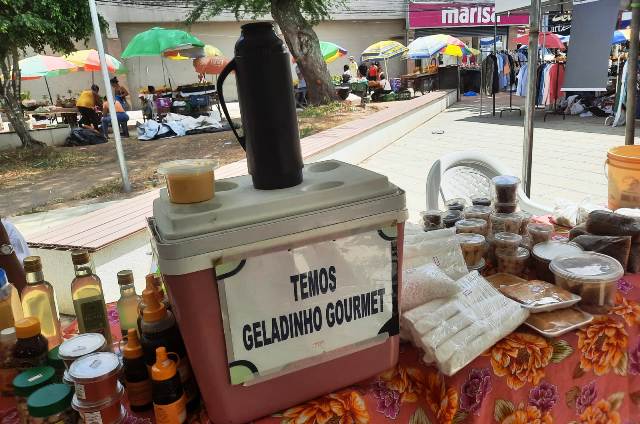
(296,308)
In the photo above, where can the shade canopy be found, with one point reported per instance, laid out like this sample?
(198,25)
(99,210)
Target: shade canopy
(156,41)
(39,66)
(193,52)
(426,47)
(545,39)
(383,50)
(212,65)
(89,60)
(331,51)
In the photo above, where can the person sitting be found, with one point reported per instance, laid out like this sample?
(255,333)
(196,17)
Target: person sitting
(87,103)
(385,88)
(372,72)
(346,75)
(148,102)
(122,116)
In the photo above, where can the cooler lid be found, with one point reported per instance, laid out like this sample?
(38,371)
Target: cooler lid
(238,204)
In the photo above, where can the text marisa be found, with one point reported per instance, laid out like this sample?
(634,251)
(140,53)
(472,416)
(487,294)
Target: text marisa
(306,321)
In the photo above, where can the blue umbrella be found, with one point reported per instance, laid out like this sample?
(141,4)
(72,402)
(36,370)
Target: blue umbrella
(619,37)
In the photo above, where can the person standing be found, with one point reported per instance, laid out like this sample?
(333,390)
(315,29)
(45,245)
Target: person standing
(119,92)
(13,248)
(372,72)
(86,103)
(353,67)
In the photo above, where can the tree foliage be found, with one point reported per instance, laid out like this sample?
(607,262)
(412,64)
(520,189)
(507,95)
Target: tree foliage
(35,24)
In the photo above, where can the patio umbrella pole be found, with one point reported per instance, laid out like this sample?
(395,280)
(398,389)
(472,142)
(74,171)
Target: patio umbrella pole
(495,53)
(48,91)
(632,75)
(527,151)
(126,185)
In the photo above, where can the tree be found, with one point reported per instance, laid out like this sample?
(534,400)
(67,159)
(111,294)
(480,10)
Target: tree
(295,19)
(35,24)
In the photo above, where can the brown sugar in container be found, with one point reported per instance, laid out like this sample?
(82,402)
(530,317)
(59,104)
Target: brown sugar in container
(539,232)
(96,376)
(473,247)
(507,243)
(505,189)
(107,411)
(472,225)
(544,253)
(510,263)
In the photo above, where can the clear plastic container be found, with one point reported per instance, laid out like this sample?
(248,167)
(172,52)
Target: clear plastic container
(510,263)
(479,267)
(539,232)
(557,323)
(480,201)
(189,180)
(432,219)
(473,247)
(592,276)
(456,204)
(505,189)
(472,225)
(505,207)
(506,223)
(451,217)
(507,243)
(479,212)
(525,219)
(544,253)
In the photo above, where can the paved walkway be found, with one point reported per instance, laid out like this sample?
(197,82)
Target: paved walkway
(568,155)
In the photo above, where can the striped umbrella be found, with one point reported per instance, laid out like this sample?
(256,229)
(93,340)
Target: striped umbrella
(331,51)
(383,50)
(39,66)
(193,53)
(89,60)
(426,47)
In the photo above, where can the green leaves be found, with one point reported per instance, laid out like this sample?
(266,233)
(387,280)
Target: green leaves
(561,350)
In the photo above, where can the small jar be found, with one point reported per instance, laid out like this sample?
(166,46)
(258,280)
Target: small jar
(472,225)
(96,376)
(31,347)
(514,264)
(524,222)
(507,243)
(52,405)
(451,217)
(472,246)
(505,189)
(505,207)
(432,219)
(479,267)
(480,201)
(539,232)
(106,411)
(505,223)
(81,345)
(55,361)
(479,212)
(456,204)
(28,382)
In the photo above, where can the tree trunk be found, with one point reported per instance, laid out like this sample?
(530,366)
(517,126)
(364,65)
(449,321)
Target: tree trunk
(305,48)
(10,98)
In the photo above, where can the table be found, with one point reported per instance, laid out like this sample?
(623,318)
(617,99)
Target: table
(69,115)
(420,82)
(589,376)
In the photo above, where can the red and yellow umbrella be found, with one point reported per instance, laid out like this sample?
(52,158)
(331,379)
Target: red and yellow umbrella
(89,60)
(39,66)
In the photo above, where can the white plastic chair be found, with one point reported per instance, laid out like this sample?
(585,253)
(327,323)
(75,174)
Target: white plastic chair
(468,173)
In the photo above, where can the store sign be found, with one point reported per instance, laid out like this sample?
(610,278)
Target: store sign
(560,23)
(291,309)
(442,15)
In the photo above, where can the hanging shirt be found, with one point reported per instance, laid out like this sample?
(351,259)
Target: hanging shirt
(521,88)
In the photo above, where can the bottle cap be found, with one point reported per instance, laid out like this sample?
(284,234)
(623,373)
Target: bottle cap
(8,335)
(32,379)
(125,277)
(80,256)
(133,348)
(27,327)
(50,400)
(164,368)
(154,310)
(3,278)
(32,264)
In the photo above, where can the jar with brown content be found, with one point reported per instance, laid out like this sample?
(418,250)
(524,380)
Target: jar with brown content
(30,349)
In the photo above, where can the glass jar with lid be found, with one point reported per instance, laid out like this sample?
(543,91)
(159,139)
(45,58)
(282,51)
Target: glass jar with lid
(26,383)
(52,405)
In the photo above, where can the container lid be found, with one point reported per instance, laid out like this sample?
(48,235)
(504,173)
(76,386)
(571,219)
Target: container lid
(471,223)
(501,216)
(187,166)
(505,180)
(154,309)
(54,359)
(481,201)
(66,379)
(508,238)
(431,212)
(3,278)
(8,335)
(550,249)
(164,368)
(50,400)
(32,379)
(32,264)
(80,345)
(453,216)
(94,367)
(256,215)
(455,204)
(477,267)
(27,327)
(80,256)
(125,277)
(470,238)
(133,348)
(84,406)
(478,209)
(521,253)
(587,267)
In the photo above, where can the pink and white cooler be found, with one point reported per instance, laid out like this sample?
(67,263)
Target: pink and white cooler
(284,295)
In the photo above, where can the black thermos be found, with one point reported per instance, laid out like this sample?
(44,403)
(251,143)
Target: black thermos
(267,107)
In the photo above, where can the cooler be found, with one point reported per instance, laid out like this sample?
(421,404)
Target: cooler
(284,295)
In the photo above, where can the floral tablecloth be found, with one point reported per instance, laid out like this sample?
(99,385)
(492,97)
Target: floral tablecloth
(589,376)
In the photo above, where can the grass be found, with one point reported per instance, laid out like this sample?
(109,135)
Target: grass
(308,130)
(101,190)
(323,110)
(29,161)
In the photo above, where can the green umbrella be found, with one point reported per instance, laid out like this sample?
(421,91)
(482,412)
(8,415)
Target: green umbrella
(156,41)
(331,51)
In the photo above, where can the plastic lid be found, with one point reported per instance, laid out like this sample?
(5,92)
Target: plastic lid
(478,266)
(8,335)
(54,359)
(82,344)
(94,367)
(553,248)
(481,201)
(125,277)
(539,226)
(508,238)
(164,368)
(50,400)
(505,180)
(470,238)
(3,278)
(187,166)
(587,267)
(453,215)
(32,379)
(455,204)
(154,310)
(84,406)
(471,223)
(479,209)
(500,216)
(432,212)
(521,253)
(133,348)
(27,327)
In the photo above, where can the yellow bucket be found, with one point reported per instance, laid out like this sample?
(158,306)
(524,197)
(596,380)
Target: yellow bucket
(624,177)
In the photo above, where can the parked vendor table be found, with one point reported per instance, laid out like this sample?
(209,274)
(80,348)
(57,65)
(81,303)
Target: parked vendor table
(420,82)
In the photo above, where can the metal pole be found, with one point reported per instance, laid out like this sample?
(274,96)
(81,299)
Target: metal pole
(48,91)
(495,53)
(527,151)
(632,77)
(126,185)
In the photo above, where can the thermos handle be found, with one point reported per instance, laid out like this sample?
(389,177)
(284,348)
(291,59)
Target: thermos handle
(223,75)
